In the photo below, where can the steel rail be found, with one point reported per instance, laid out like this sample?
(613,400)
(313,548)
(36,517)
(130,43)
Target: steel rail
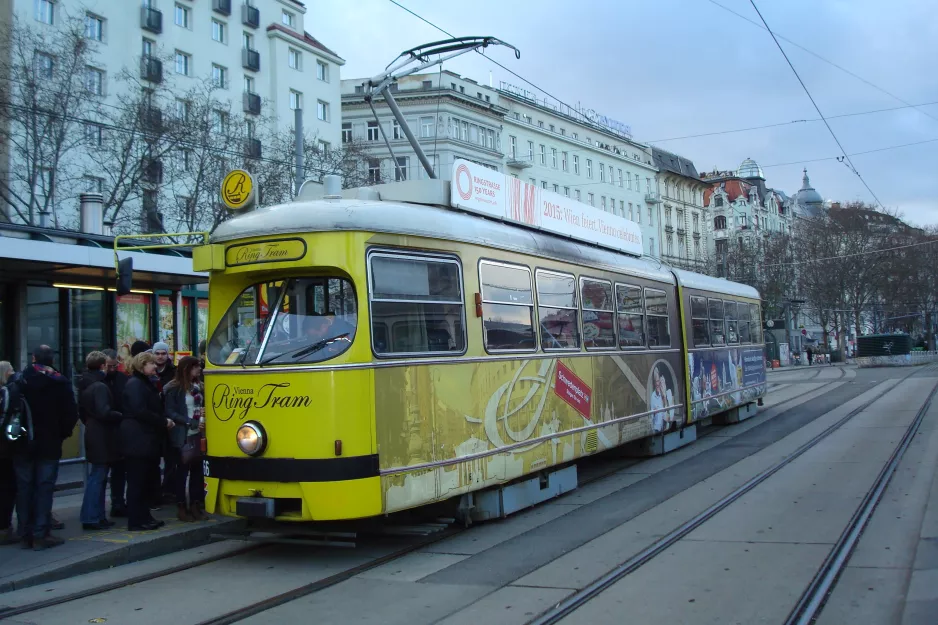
(573,602)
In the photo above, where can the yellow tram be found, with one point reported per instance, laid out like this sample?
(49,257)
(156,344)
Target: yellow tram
(378,349)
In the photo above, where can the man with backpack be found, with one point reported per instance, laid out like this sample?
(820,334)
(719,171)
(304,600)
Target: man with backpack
(52,414)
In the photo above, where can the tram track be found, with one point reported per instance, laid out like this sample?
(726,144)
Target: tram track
(812,600)
(614,466)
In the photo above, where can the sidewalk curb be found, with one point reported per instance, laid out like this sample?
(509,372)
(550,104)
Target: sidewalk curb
(125,554)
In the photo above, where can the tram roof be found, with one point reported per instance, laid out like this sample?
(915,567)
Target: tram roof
(421,208)
(722,286)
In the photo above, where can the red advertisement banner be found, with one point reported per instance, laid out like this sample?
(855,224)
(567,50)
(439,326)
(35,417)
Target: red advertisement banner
(573,390)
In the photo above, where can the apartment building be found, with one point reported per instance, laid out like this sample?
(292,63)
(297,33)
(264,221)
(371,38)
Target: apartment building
(580,154)
(257,53)
(684,227)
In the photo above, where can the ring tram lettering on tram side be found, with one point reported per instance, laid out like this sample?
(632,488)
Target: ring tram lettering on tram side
(379,352)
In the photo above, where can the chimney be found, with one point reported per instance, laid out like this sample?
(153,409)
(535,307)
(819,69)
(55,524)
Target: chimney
(91,208)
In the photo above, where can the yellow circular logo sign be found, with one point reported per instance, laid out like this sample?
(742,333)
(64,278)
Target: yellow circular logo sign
(237,190)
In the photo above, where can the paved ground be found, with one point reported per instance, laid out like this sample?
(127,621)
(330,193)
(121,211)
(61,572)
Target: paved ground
(748,564)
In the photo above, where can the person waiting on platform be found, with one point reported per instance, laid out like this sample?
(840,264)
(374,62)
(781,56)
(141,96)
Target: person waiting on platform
(102,429)
(184,405)
(7,475)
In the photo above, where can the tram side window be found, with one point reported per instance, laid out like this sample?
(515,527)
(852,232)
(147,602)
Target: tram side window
(700,321)
(755,323)
(732,336)
(598,324)
(557,310)
(419,299)
(507,307)
(717,325)
(239,334)
(630,314)
(742,311)
(656,308)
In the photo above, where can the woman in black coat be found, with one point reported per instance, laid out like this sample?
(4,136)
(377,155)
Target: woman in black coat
(102,423)
(142,431)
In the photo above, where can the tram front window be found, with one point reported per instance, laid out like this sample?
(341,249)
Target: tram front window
(314,319)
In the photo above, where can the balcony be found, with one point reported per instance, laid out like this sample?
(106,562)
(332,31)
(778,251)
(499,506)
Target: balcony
(151,69)
(222,6)
(250,16)
(151,119)
(652,198)
(252,103)
(151,20)
(696,235)
(519,163)
(152,171)
(668,228)
(681,231)
(251,59)
(252,148)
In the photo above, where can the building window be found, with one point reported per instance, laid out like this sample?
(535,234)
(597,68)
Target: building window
(602,202)
(295,59)
(346,132)
(45,11)
(602,173)
(296,100)
(322,111)
(373,131)
(218,32)
(426,127)
(577,191)
(322,71)
(620,178)
(512,147)
(323,147)
(531,151)
(183,63)
(563,161)
(718,201)
(589,168)
(719,222)
(556,188)
(182,110)
(576,164)
(94,81)
(45,66)
(612,179)
(247,40)
(219,76)
(566,191)
(374,171)
(94,27)
(94,134)
(540,123)
(631,215)
(638,183)
(553,157)
(589,199)
(543,154)
(181,16)
(543,184)
(400,172)
(219,121)
(287,19)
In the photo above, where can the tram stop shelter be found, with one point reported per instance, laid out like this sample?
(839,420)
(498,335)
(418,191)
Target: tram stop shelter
(57,288)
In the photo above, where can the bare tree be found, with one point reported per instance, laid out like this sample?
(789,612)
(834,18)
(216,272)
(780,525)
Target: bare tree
(51,92)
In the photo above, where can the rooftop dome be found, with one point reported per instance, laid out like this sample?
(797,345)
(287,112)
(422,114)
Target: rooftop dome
(807,195)
(750,169)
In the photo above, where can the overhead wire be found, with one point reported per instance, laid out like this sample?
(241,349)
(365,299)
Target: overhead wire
(843,151)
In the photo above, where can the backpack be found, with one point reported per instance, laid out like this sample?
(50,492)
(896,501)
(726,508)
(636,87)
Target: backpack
(16,419)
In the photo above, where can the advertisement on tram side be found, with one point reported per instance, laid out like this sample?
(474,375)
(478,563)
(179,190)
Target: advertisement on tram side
(543,412)
(724,378)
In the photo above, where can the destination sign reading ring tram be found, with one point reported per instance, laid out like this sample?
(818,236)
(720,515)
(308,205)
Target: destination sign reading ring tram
(237,190)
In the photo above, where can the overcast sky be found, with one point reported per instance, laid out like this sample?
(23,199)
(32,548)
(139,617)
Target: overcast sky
(671,68)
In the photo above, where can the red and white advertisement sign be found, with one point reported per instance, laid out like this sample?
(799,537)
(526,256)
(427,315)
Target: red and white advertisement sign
(573,390)
(488,192)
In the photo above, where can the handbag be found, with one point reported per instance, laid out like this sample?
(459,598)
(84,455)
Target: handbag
(192,449)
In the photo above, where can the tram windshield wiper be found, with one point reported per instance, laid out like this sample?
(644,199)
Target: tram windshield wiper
(307,349)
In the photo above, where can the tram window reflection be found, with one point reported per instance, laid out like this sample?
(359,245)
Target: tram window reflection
(420,300)
(557,311)
(630,314)
(717,324)
(742,312)
(755,323)
(700,321)
(507,307)
(656,309)
(732,336)
(316,320)
(238,336)
(598,311)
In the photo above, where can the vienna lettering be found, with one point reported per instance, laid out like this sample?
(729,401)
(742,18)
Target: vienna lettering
(228,402)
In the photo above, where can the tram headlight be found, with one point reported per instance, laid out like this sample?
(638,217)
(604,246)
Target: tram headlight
(252,439)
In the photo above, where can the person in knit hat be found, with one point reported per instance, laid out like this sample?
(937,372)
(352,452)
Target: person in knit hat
(165,369)
(138,348)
